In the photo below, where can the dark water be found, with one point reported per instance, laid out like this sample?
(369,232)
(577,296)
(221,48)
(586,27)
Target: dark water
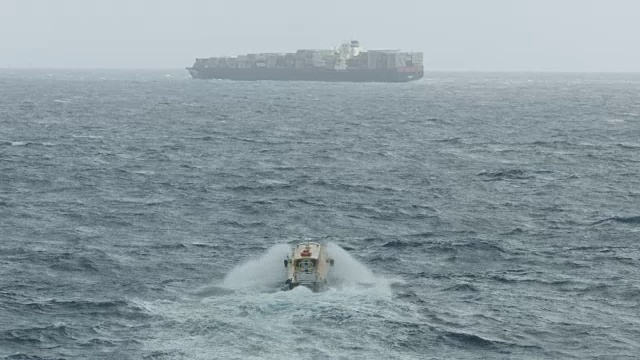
(473,215)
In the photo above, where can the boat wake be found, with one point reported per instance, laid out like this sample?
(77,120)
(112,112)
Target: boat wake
(248,304)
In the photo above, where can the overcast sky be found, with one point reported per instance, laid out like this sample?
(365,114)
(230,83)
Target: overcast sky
(512,35)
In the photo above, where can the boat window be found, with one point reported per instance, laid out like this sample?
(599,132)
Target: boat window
(306,265)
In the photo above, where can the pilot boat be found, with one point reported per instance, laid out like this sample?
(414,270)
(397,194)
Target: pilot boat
(308,265)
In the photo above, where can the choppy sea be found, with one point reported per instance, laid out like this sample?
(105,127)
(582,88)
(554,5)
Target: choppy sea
(145,215)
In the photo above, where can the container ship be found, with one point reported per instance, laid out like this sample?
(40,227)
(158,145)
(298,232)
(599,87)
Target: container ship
(346,63)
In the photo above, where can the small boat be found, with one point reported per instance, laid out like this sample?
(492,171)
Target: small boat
(308,265)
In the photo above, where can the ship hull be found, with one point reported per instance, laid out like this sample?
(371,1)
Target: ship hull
(359,75)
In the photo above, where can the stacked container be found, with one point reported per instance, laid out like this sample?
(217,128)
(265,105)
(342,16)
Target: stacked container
(290,60)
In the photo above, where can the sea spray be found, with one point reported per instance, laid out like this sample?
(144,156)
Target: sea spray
(265,272)
(346,268)
(348,274)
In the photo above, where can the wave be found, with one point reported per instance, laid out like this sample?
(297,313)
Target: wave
(515,231)
(469,340)
(70,263)
(79,304)
(466,340)
(426,234)
(474,244)
(174,246)
(513,174)
(401,244)
(462,287)
(262,186)
(635,219)
(23,356)
(127,309)
(518,280)
(241,225)
(304,201)
(37,335)
(452,140)
(553,143)
(628,146)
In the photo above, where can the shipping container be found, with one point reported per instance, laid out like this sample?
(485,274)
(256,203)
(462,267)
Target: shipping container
(212,62)
(330,63)
(271,62)
(290,61)
(417,58)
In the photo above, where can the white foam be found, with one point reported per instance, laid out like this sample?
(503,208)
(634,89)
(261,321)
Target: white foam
(87,136)
(351,276)
(243,318)
(267,271)
(346,268)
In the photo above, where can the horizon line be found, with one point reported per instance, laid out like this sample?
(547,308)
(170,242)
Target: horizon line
(426,70)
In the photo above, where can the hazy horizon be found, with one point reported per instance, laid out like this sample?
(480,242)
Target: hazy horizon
(459,35)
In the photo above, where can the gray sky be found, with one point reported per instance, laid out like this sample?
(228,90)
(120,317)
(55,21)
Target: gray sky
(529,35)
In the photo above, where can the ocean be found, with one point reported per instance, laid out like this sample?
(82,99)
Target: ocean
(145,215)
